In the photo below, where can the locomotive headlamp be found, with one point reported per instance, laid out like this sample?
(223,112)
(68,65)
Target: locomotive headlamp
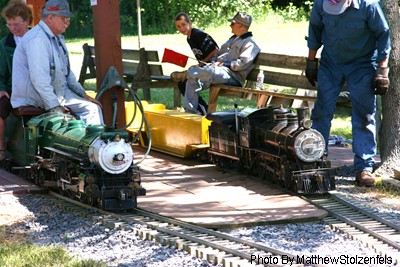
(306,123)
(119,157)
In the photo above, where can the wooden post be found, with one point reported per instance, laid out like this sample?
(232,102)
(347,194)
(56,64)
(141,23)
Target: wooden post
(143,73)
(213,100)
(36,6)
(108,52)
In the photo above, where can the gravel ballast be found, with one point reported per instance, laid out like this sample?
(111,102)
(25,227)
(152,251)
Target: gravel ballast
(49,225)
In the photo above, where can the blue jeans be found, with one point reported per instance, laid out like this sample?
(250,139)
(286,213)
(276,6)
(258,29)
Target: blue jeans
(359,78)
(200,78)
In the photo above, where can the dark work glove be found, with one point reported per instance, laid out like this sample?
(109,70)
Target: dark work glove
(58,109)
(381,82)
(312,70)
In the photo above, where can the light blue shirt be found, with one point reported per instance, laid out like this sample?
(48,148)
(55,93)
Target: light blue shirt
(41,71)
(238,54)
(358,35)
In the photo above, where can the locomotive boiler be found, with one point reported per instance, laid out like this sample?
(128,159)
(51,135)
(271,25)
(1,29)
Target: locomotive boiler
(273,143)
(91,163)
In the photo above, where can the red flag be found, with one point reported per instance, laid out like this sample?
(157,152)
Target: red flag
(173,57)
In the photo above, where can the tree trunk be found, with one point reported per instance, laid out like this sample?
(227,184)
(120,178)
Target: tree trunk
(389,134)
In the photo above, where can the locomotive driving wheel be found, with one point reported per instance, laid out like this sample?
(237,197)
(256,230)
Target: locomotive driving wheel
(40,177)
(261,169)
(223,163)
(280,175)
(91,195)
(93,201)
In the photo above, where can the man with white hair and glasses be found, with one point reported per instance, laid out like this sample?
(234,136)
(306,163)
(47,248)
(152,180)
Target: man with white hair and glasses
(42,75)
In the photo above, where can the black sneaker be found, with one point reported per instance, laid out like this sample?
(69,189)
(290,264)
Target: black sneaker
(178,76)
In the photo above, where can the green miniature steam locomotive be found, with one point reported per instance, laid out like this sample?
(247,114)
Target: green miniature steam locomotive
(89,163)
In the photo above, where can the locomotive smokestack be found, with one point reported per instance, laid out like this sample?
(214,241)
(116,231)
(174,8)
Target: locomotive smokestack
(303,118)
(301,114)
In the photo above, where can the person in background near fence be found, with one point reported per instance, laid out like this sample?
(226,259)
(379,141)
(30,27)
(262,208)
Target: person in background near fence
(204,48)
(18,17)
(230,65)
(356,40)
(42,75)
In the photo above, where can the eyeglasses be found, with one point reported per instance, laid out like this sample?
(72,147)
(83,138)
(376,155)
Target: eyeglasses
(66,19)
(63,18)
(14,25)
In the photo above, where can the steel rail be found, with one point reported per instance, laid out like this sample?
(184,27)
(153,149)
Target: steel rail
(229,246)
(359,218)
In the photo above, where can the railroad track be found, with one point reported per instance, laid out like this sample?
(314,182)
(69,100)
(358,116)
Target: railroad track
(203,243)
(382,233)
(345,215)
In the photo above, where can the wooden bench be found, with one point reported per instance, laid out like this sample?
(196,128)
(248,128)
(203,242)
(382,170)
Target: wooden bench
(280,72)
(141,68)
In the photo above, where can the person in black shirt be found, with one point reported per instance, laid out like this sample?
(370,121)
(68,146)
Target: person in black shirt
(204,48)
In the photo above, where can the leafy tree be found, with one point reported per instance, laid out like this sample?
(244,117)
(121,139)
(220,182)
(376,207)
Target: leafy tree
(158,15)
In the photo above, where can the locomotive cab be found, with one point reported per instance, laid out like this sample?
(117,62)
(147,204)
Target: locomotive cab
(20,143)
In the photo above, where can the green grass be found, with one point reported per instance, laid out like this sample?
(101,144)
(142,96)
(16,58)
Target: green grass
(342,126)
(272,34)
(15,251)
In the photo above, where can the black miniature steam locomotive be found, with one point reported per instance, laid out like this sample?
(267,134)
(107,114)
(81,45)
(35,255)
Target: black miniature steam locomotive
(275,144)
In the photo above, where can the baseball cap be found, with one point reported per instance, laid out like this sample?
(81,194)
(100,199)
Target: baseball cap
(334,7)
(241,18)
(57,7)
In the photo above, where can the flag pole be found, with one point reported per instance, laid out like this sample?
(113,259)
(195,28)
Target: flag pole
(139,24)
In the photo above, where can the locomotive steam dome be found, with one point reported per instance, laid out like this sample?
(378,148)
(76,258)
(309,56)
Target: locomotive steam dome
(114,157)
